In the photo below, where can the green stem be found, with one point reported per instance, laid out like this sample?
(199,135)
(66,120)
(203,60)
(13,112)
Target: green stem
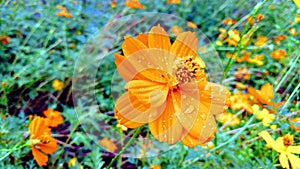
(293,64)
(239,47)
(15,148)
(136,133)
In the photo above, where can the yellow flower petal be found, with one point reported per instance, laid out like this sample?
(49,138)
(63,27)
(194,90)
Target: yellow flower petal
(293,149)
(267,137)
(284,161)
(294,160)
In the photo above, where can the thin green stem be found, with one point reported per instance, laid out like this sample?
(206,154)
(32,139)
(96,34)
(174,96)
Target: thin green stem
(293,64)
(135,134)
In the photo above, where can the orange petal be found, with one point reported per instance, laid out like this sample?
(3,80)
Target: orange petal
(185,44)
(159,38)
(39,157)
(190,141)
(167,127)
(143,38)
(152,68)
(131,45)
(38,126)
(119,59)
(50,147)
(132,112)
(148,92)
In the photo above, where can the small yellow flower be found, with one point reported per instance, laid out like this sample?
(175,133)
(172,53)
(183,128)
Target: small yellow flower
(283,145)
(58,85)
(3,84)
(72,162)
(263,115)
(293,31)
(261,41)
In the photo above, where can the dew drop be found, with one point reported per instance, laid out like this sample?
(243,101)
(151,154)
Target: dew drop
(190,109)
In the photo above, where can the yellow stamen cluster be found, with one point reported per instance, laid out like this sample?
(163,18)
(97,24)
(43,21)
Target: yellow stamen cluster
(189,68)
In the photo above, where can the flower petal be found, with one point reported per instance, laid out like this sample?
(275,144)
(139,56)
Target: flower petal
(186,44)
(269,140)
(143,38)
(159,38)
(131,45)
(148,92)
(167,127)
(284,161)
(190,141)
(38,126)
(131,113)
(294,160)
(39,157)
(293,149)
(50,147)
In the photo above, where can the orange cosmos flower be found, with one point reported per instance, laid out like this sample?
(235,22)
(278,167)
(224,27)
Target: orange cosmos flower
(53,117)
(279,38)
(261,41)
(250,20)
(173,1)
(278,54)
(229,21)
(167,88)
(5,39)
(240,101)
(41,141)
(260,17)
(113,4)
(293,31)
(242,73)
(64,12)
(134,4)
(264,95)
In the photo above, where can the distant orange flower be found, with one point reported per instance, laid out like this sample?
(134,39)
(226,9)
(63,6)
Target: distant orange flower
(173,1)
(108,144)
(191,25)
(113,4)
(295,123)
(278,54)
(5,39)
(64,12)
(229,21)
(280,38)
(250,20)
(261,41)
(172,77)
(242,73)
(229,118)
(134,4)
(233,38)
(260,17)
(41,141)
(53,117)
(239,101)
(264,95)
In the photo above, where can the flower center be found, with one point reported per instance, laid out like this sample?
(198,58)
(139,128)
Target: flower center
(288,139)
(188,69)
(43,139)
